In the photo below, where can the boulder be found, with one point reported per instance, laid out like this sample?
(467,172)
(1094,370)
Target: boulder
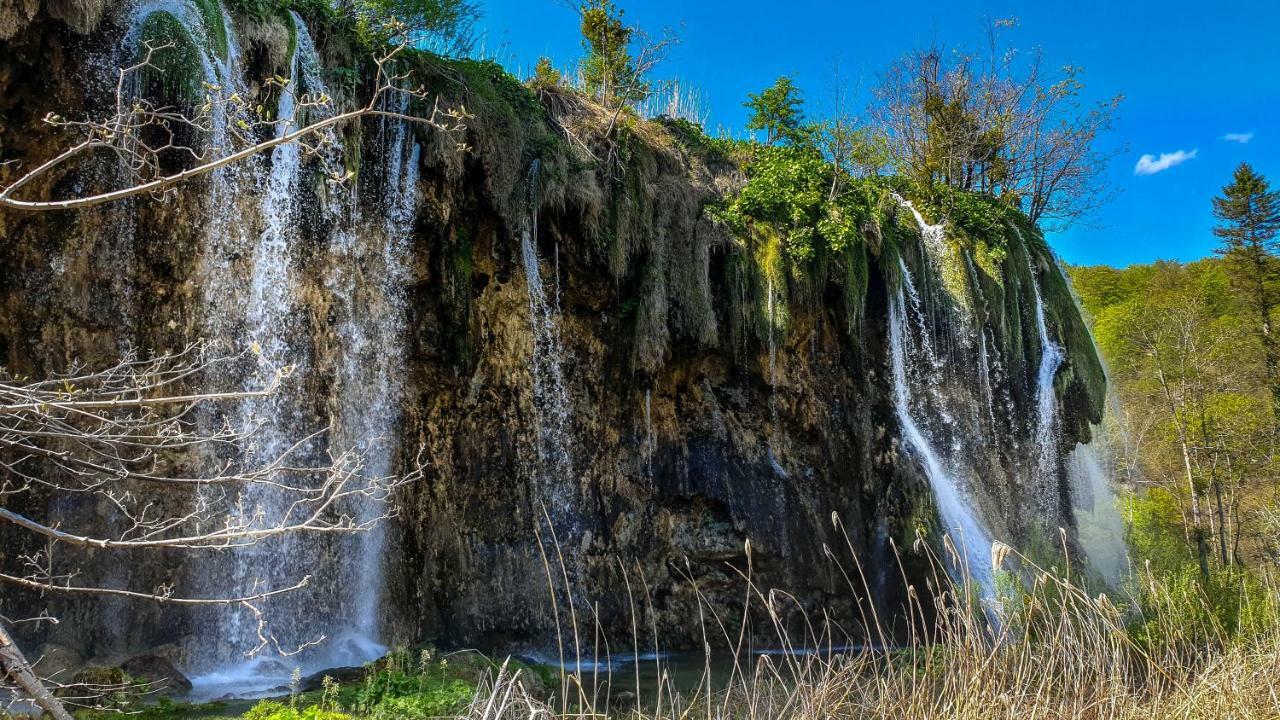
(160,674)
(341,675)
(55,661)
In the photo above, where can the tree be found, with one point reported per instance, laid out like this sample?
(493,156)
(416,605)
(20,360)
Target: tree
(1187,378)
(778,111)
(545,75)
(1249,215)
(608,71)
(619,56)
(994,121)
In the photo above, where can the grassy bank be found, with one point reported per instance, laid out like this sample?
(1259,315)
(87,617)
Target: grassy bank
(1174,647)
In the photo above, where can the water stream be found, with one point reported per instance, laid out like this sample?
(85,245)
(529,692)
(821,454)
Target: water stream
(1046,434)
(550,394)
(959,518)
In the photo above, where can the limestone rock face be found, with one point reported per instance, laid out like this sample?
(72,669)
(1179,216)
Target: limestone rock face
(700,451)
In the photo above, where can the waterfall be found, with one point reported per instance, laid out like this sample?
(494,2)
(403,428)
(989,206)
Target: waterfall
(1100,527)
(551,398)
(1046,432)
(215,70)
(370,385)
(261,313)
(958,517)
(934,236)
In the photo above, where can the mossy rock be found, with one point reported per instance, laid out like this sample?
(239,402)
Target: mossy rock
(102,675)
(177,71)
(211,13)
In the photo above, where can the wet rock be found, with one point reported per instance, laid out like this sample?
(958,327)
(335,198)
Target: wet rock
(340,675)
(55,661)
(160,674)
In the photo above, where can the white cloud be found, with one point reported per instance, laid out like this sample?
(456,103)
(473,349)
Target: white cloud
(1150,164)
(1242,138)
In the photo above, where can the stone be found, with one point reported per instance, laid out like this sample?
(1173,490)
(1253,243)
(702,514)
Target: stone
(340,675)
(56,662)
(160,674)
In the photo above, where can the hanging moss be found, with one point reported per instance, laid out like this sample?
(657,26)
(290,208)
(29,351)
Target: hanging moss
(651,334)
(458,259)
(211,13)
(176,72)
(293,35)
(856,280)
(775,300)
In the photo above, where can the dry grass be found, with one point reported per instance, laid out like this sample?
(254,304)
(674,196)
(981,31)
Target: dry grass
(1048,649)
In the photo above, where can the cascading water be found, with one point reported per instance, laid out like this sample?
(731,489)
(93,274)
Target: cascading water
(1100,528)
(958,516)
(550,394)
(1046,431)
(273,422)
(365,280)
(368,282)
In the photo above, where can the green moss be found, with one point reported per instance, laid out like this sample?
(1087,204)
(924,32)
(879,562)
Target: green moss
(1083,373)
(490,87)
(293,36)
(211,13)
(176,71)
(258,10)
(856,266)
(459,267)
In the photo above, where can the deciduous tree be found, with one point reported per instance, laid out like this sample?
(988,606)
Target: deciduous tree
(778,110)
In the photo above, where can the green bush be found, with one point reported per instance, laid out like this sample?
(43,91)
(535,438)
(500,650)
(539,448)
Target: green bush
(405,688)
(273,710)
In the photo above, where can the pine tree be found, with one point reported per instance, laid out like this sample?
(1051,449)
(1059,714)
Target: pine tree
(1249,223)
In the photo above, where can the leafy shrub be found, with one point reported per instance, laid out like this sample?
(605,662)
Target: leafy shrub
(272,710)
(403,688)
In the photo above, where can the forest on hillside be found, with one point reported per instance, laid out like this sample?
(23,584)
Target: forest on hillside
(1192,358)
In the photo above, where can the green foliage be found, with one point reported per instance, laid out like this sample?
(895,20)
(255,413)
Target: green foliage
(545,75)
(608,71)
(787,188)
(778,111)
(1155,532)
(409,688)
(1178,609)
(972,218)
(495,91)
(955,132)
(257,10)
(444,27)
(273,710)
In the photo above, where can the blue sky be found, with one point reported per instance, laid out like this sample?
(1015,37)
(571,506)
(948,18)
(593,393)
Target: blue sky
(1192,72)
